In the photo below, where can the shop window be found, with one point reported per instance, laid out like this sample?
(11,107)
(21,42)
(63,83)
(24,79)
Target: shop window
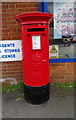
(66,42)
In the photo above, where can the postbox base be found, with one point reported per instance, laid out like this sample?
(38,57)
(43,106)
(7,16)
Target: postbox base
(37,95)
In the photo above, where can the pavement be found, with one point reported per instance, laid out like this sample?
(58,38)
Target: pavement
(60,105)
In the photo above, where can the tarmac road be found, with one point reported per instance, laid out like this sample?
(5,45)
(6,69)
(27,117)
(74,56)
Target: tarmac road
(60,105)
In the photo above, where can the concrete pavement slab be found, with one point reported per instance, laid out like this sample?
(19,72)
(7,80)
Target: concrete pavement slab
(60,105)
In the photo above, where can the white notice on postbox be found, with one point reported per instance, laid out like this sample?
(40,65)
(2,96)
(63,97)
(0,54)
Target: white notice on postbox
(36,42)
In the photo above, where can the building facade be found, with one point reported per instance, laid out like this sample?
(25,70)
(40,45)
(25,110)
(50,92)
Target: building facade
(11,71)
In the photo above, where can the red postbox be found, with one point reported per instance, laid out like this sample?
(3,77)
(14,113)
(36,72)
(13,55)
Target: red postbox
(34,28)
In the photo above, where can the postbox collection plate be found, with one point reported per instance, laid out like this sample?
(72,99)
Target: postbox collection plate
(36,42)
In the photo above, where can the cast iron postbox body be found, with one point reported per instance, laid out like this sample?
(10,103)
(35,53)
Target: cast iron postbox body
(34,28)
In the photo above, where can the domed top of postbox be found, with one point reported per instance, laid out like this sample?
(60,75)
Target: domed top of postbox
(34,17)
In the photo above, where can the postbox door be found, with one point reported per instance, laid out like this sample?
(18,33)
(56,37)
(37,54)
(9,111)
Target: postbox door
(35,60)
(40,57)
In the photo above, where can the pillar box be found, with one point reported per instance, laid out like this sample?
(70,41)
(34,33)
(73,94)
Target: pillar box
(34,28)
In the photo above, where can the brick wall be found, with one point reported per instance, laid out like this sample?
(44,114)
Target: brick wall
(62,72)
(10,27)
(12,71)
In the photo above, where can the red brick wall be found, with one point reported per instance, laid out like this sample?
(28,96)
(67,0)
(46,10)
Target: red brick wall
(62,72)
(12,71)
(10,27)
(0,70)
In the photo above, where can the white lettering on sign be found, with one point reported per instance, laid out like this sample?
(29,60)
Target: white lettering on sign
(36,42)
(10,50)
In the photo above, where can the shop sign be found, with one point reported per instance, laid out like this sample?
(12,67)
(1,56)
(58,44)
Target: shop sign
(10,50)
(53,51)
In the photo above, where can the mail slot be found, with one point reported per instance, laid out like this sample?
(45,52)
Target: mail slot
(34,28)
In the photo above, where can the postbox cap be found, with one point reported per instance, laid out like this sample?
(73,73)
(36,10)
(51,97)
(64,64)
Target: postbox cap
(33,17)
